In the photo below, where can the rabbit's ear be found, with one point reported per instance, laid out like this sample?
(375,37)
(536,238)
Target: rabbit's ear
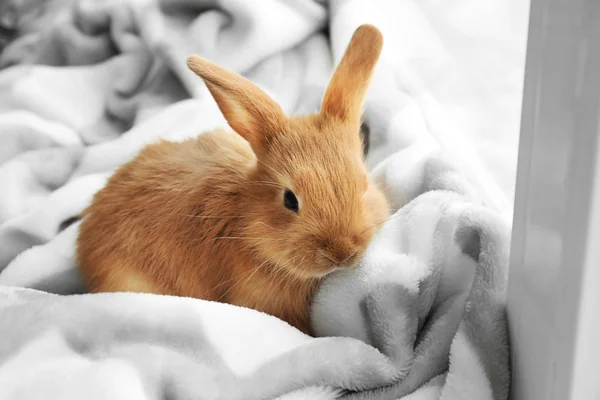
(345,94)
(248,110)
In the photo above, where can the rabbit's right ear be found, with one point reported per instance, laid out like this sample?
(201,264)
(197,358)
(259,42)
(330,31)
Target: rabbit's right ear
(251,112)
(346,92)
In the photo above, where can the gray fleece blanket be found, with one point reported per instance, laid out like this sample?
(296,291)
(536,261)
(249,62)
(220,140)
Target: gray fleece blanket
(85,84)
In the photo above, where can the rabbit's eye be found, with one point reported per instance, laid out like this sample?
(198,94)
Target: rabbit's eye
(290,201)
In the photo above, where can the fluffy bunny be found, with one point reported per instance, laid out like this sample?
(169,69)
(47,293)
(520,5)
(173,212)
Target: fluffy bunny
(253,217)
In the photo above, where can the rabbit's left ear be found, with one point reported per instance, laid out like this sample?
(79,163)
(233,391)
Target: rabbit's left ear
(346,92)
(251,112)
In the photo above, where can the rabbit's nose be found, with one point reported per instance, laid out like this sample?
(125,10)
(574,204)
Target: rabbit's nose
(341,251)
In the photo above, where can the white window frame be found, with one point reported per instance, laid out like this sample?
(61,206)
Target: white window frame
(554,275)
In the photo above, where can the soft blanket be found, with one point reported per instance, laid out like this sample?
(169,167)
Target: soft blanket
(85,84)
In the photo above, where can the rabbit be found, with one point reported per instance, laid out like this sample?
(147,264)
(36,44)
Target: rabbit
(252,216)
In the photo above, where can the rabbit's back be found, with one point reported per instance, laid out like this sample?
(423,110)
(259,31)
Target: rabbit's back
(150,227)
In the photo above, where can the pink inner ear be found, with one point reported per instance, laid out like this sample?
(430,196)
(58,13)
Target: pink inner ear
(248,110)
(236,116)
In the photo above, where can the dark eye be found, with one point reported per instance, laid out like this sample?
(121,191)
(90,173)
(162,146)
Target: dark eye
(290,201)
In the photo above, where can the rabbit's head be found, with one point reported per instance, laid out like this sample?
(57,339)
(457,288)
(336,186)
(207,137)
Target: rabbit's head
(311,207)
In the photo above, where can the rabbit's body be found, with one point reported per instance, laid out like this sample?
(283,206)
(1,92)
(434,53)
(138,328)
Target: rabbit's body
(186,249)
(253,217)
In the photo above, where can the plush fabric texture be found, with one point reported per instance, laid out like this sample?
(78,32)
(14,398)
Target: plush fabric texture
(85,84)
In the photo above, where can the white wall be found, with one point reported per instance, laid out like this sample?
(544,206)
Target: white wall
(554,284)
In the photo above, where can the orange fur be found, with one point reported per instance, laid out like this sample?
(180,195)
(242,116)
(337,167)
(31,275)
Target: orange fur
(205,218)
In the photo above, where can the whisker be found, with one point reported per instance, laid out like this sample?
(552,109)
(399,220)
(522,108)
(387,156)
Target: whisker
(276,270)
(395,215)
(246,300)
(211,216)
(255,270)
(221,297)
(223,283)
(251,272)
(282,268)
(267,183)
(271,168)
(246,237)
(275,267)
(267,225)
(229,280)
(301,263)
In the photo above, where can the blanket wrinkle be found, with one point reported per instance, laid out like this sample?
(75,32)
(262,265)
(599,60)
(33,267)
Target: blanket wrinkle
(445,291)
(85,84)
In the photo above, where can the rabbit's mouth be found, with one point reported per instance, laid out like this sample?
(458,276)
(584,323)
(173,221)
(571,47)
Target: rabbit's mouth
(319,263)
(334,267)
(346,261)
(318,269)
